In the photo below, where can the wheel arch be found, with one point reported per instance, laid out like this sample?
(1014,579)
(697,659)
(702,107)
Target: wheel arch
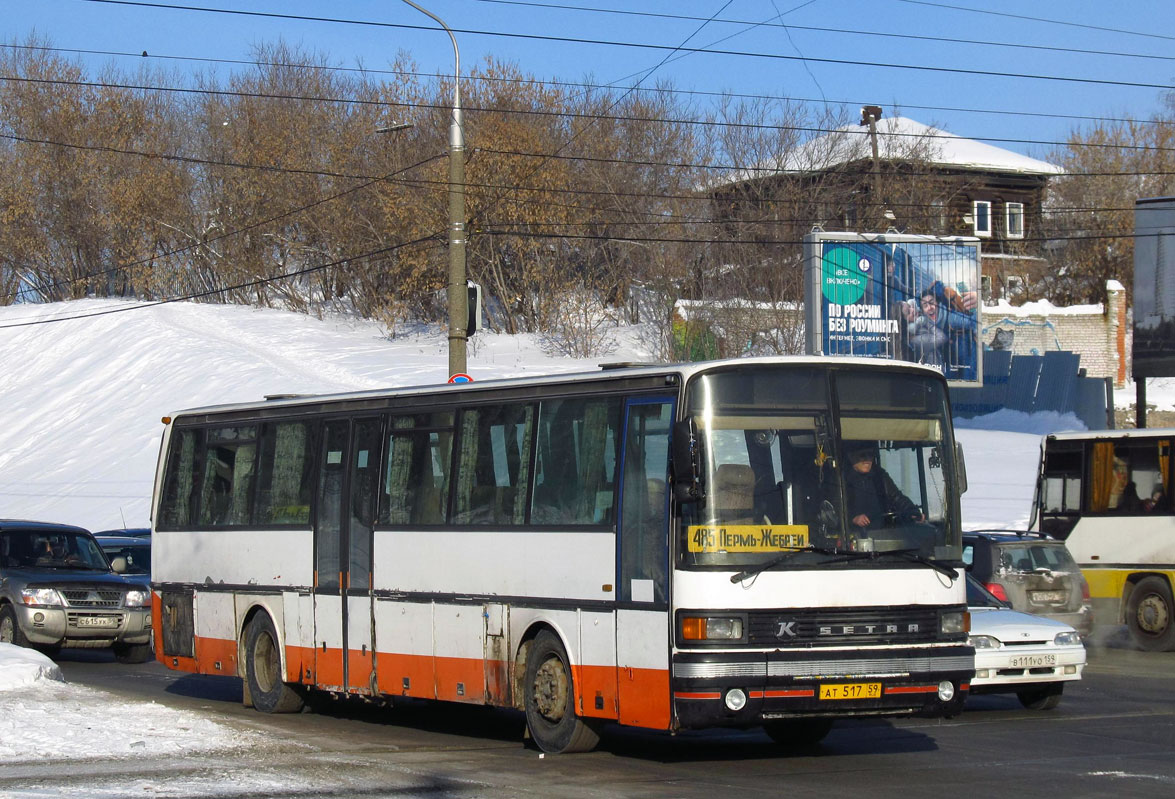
(256,607)
(518,669)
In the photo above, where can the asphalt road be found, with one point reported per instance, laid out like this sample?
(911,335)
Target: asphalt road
(1113,734)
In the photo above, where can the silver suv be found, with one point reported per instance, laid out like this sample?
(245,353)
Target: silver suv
(57,590)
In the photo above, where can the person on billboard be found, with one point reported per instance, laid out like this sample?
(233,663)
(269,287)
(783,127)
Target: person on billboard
(941,336)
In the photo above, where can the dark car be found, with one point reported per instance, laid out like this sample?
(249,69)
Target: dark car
(1032,572)
(57,589)
(129,555)
(131,532)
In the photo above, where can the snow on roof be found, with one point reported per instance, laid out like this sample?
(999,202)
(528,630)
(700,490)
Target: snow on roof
(898,138)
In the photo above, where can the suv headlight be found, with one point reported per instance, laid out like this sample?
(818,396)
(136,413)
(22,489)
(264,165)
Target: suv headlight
(41,596)
(1068,638)
(983,641)
(137,599)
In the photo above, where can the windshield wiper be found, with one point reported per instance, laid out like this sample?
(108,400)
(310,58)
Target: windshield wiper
(912,556)
(840,554)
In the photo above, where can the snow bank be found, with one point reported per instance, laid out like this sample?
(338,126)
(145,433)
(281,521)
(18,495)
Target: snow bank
(21,667)
(1010,421)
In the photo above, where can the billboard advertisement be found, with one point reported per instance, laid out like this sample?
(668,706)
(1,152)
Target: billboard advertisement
(1154,288)
(895,295)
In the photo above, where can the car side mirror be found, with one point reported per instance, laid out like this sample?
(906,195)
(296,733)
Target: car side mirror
(119,564)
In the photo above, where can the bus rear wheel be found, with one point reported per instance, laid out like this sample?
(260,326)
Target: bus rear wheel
(1150,615)
(550,700)
(263,669)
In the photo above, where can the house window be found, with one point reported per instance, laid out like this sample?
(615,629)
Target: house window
(1015,220)
(981,214)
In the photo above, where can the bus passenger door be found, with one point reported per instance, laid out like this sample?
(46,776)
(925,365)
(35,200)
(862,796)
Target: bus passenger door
(642,566)
(343,644)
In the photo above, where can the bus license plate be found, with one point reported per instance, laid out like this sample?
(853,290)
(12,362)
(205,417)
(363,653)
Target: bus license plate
(851,690)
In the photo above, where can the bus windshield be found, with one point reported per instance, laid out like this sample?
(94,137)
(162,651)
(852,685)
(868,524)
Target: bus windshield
(820,463)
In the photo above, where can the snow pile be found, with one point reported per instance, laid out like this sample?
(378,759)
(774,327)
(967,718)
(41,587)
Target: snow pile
(1011,421)
(21,667)
(43,717)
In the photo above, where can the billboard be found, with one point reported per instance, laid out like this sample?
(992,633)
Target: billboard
(895,295)
(1154,288)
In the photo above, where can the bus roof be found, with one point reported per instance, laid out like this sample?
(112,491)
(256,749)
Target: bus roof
(607,372)
(1126,432)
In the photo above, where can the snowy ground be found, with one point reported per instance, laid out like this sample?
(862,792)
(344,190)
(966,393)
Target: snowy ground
(82,401)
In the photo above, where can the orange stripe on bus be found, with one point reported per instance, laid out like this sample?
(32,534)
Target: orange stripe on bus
(783,694)
(697,696)
(911,689)
(631,696)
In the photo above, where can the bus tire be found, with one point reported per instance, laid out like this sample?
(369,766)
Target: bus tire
(550,700)
(263,669)
(798,733)
(1044,697)
(1150,615)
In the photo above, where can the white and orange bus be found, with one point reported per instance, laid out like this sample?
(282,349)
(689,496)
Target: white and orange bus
(659,546)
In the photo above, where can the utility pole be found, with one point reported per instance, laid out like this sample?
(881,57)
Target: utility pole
(869,116)
(457,294)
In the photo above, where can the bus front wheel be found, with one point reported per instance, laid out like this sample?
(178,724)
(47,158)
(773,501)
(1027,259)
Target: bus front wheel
(263,669)
(1150,615)
(550,700)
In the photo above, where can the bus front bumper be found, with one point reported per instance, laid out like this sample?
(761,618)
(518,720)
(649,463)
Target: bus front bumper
(745,689)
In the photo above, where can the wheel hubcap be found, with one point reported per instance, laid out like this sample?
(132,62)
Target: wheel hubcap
(265,662)
(550,689)
(1153,615)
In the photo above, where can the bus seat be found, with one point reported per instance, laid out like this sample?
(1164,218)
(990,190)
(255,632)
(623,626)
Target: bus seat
(733,498)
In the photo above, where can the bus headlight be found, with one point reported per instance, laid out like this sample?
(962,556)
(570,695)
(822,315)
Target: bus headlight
(953,622)
(736,699)
(716,628)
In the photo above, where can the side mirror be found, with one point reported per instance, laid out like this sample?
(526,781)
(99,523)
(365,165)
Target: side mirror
(687,459)
(960,468)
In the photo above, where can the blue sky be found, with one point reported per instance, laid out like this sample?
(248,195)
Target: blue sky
(1140,33)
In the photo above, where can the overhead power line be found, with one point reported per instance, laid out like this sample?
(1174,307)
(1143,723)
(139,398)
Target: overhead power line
(847,31)
(577,85)
(651,46)
(546,113)
(1040,19)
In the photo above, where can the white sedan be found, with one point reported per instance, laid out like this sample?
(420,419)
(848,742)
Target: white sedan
(1030,656)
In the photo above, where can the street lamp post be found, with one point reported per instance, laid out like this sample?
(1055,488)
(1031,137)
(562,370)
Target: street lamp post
(457,296)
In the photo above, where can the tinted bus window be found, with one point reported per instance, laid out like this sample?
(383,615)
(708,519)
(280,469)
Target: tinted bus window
(230,468)
(415,485)
(285,475)
(178,505)
(493,465)
(575,468)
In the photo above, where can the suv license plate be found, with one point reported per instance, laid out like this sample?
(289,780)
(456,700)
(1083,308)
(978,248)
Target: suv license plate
(851,690)
(1049,596)
(97,621)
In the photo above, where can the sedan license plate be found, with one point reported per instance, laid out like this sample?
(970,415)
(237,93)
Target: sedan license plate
(1049,596)
(851,690)
(97,621)
(1033,661)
